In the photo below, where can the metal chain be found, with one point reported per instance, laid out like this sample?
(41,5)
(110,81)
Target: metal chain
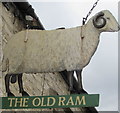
(94,5)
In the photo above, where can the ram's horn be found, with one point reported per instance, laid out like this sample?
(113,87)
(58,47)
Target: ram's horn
(99,21)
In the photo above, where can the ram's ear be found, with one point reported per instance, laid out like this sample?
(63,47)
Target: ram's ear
(99,21)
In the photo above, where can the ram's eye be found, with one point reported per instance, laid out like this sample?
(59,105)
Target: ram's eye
(108,18)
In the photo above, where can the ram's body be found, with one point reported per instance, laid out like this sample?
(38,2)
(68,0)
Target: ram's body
(51,51)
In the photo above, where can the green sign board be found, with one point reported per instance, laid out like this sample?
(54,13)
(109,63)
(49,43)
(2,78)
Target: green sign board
(58,101)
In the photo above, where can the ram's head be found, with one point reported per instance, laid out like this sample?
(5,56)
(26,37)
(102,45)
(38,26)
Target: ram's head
(105,21)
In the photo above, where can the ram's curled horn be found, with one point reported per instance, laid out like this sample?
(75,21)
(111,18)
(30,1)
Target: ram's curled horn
(99,21)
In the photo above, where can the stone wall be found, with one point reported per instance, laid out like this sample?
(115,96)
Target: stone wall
(34,84)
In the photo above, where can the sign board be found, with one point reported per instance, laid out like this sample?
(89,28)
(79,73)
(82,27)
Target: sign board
(58,101)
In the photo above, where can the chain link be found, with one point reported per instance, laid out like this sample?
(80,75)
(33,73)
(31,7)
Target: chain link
(94,5)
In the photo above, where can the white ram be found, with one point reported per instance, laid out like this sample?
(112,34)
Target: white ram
(36,51)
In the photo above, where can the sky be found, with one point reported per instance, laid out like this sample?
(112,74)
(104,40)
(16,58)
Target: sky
(101,75)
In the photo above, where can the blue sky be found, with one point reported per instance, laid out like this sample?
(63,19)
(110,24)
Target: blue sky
(101,75)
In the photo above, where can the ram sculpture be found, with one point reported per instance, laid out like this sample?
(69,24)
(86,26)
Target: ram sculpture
(40,51)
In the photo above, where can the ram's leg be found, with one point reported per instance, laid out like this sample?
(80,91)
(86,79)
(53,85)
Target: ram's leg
(13,78)
(20,83)
(7,84)
(70,80)
(80,86)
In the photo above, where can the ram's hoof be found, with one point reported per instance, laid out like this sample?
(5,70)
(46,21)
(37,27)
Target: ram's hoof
(82,91)
(24,93)
(73,91)
(10,94)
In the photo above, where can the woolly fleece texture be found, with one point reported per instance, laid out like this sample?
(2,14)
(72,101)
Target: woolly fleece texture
(36,51)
